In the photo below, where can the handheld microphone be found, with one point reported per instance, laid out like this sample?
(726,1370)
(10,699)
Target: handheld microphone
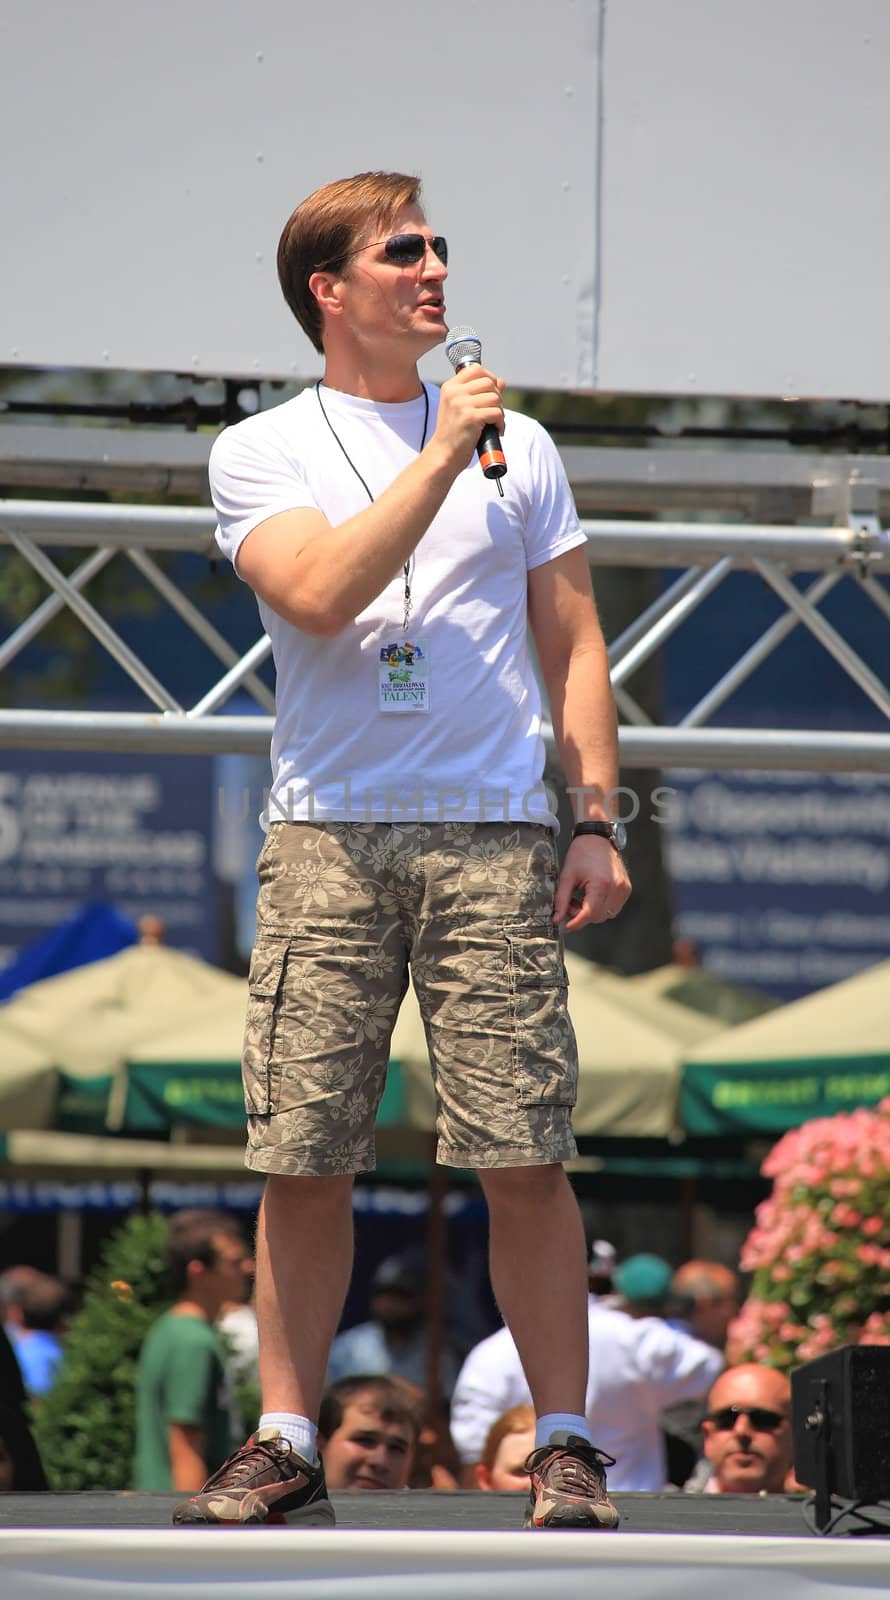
(463,348)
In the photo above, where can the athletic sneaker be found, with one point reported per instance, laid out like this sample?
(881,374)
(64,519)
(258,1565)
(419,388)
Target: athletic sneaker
(265,1481)
(569,1485)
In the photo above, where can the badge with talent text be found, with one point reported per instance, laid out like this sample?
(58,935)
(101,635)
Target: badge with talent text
(403,677)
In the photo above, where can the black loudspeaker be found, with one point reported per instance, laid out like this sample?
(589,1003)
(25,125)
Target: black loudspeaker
(840,1418)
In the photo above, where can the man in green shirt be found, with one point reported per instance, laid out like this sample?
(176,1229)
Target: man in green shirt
(184,1421)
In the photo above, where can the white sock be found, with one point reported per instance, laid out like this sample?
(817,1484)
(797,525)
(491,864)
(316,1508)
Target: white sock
(299,1432)
(560,1422)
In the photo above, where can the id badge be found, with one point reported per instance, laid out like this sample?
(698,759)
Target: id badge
(403,677)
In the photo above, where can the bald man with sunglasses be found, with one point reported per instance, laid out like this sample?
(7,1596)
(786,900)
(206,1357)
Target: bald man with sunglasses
(747,1434)
(409,826)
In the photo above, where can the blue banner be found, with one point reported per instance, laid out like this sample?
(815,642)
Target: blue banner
(782,880)
(131,830)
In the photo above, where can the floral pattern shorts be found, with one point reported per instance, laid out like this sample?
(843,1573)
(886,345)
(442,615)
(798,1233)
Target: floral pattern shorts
(343,908)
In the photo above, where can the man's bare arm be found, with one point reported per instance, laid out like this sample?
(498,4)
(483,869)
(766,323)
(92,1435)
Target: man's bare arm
(575,667)
(320,577)
(187,1444)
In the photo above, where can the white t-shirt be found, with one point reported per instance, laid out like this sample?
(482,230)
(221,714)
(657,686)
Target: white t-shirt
(638,1366)
(477,753)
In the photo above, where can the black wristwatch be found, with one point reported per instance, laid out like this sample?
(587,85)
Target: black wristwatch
(615,832)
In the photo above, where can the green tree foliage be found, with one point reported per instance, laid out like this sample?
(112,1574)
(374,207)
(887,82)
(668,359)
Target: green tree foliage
(85,1427)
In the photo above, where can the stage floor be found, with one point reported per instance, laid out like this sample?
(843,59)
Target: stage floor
(777,1515)
(422,1546)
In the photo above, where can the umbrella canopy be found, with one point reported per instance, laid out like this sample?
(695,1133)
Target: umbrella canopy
(827,1052)
(99,1031)
(29,1083)
(629,1061)
(630,1048)
(696,989)
(679,1022)
(189,1074)
(102,1157)
(84,1023)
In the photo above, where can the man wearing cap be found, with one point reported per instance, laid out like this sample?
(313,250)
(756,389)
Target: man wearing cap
(643,1286)
(394,1341)
(638,1366)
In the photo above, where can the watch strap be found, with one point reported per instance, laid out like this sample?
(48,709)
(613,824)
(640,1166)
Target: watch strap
(605,830)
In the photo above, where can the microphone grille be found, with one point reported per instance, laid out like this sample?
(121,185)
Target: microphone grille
(463,345)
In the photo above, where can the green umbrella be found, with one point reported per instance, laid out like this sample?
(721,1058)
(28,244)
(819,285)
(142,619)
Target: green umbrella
(825,1053)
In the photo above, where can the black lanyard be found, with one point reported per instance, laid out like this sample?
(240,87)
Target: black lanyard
(409,564)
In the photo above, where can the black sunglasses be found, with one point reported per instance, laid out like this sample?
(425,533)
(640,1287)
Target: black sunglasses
(404,249)
(761,1419)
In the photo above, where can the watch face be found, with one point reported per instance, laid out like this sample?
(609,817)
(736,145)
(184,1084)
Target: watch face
(619,835)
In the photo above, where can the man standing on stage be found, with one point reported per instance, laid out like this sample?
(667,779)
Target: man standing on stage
(408,822)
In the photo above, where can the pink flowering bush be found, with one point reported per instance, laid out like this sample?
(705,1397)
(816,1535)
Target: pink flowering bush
(820,1247)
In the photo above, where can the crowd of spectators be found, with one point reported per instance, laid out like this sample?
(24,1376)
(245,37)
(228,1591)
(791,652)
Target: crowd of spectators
(660,1397)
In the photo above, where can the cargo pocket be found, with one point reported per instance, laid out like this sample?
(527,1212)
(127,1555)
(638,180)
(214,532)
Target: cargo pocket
(264,985)
(545,1058)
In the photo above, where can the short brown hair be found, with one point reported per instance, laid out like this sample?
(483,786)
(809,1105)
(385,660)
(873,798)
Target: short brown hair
(192,1236)
(517,1420)
(324,228)
(392,1400)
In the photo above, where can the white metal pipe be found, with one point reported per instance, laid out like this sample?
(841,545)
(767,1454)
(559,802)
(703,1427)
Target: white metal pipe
(610,542)
(64,522)
(780,749)
(878,594)
(653,613)
(667,544)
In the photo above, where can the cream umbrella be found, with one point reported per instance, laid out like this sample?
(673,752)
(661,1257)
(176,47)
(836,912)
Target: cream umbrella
(629,1058)
(189,1075)
(664,1014)
(29,1082)
(630,1049)
(697,989)
(187,1072)
(87,1021)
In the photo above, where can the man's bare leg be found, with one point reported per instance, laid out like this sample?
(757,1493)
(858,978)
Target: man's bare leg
(538,1271)
(303,1267)
(539,1274)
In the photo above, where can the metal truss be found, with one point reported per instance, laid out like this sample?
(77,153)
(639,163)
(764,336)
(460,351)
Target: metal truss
(847,493)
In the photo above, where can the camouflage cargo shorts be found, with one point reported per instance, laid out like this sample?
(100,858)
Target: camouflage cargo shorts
(342,909)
